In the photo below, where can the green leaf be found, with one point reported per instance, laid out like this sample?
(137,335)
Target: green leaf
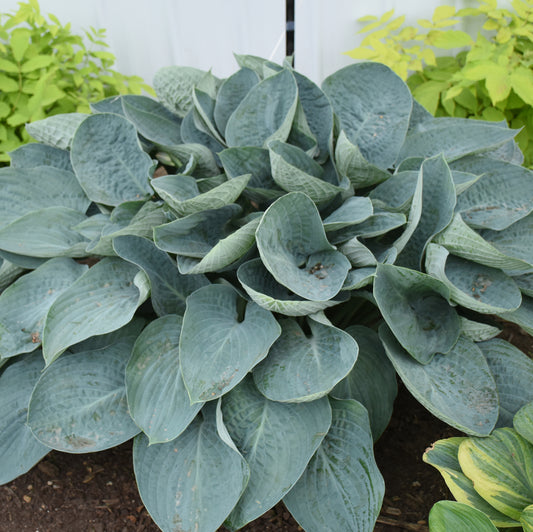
(222,338)
(276,457)
(521,79)
(523,422)
(415,307)
(8,84)
(265,114)
(37,62)
(102,300)
(449,39)
(108,160)
(302,367)
(298,255)
(169,289)
(526,518)
(24,304)
(19,449)
(35,154)
(79,402)
(457,387)
(341,488)
(429,93)
(373,106)
(452,515)
(20,41)
(58,130)
(372,381)
(157,398)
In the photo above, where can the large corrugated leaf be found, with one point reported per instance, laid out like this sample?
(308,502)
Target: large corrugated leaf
(36,154)
(57,130)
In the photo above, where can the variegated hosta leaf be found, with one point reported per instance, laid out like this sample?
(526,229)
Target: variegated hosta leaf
(513,373)
(19,449)
(169,289)
(192,483)
(501,468)
(222,338)
(353,211)
(276,457)
(79,402)
(415,307)
(36,154)
(102,300)
(24,304)
(57,130)
(457,387)
(265,114)
(108,160)
(451,515)
(474,286)
(443,456)
(157,398)
(341,488)
(526,519)
(298,255)
(269,294)
(373,106)
(372,381)
(523,422)
(302,367)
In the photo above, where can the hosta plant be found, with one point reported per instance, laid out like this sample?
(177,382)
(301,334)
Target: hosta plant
(492,475)
(234,274)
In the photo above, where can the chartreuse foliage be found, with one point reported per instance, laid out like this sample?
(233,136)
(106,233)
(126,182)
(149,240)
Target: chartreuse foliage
(46,70)
(490,78)
(491,477)
(244,317)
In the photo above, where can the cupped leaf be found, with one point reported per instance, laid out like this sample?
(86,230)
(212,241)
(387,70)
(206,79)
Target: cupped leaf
(265,114)
(457,387)
(303,367)
(222,338)
(102,300)
(353,211)
(359,278)
(56,131)
(298,255)
(373,106)
(192,483)
(478,332)
(204,113)
(108,160)
(341,488)
(380,223)
(36,154)
(452,515)
(372,381)
(205,164)
(19,449)
(523,316)
(276,457)
(79,402)
(523,422)
(158,401)
(416,309)
(24,304)
(194,130)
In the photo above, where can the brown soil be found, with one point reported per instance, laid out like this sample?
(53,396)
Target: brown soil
(97,492)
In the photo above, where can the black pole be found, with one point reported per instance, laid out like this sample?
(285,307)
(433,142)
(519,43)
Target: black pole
(289,17)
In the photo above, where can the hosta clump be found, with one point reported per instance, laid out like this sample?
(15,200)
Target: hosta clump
(234,274)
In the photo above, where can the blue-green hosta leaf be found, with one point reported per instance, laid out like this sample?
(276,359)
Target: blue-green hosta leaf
(157,398)
(44,233)
(397,191)
(298,255)
(79,402)
(502,196)
(181,193)
(253,62)
(513,373)
(525,283)
(276,457)
(192,483)
(359,278)
(195,131)
(221,341)
(152,119)
(523,316)
(112,104)
(265,114)
(452,515)
(204,106)
(102,300)
(24,304)
(8,273)
(23,191)
(523,422)
(341,488)
(454,138)
(36,154)
(169,288)
(501,468)
(302,136)
(478,332)
(415,307)
(58,130)
(302,367)
(443,456)
(358,254)
(19,450)
(351,164)
(294,171)
(474,286)
(108,160)
(353,211)
(269,294)
(437,206)
(457,387)
(204,161)
(373,106)
(372,380)
(22,261)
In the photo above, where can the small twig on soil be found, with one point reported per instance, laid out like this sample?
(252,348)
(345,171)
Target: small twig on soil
(402,524)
